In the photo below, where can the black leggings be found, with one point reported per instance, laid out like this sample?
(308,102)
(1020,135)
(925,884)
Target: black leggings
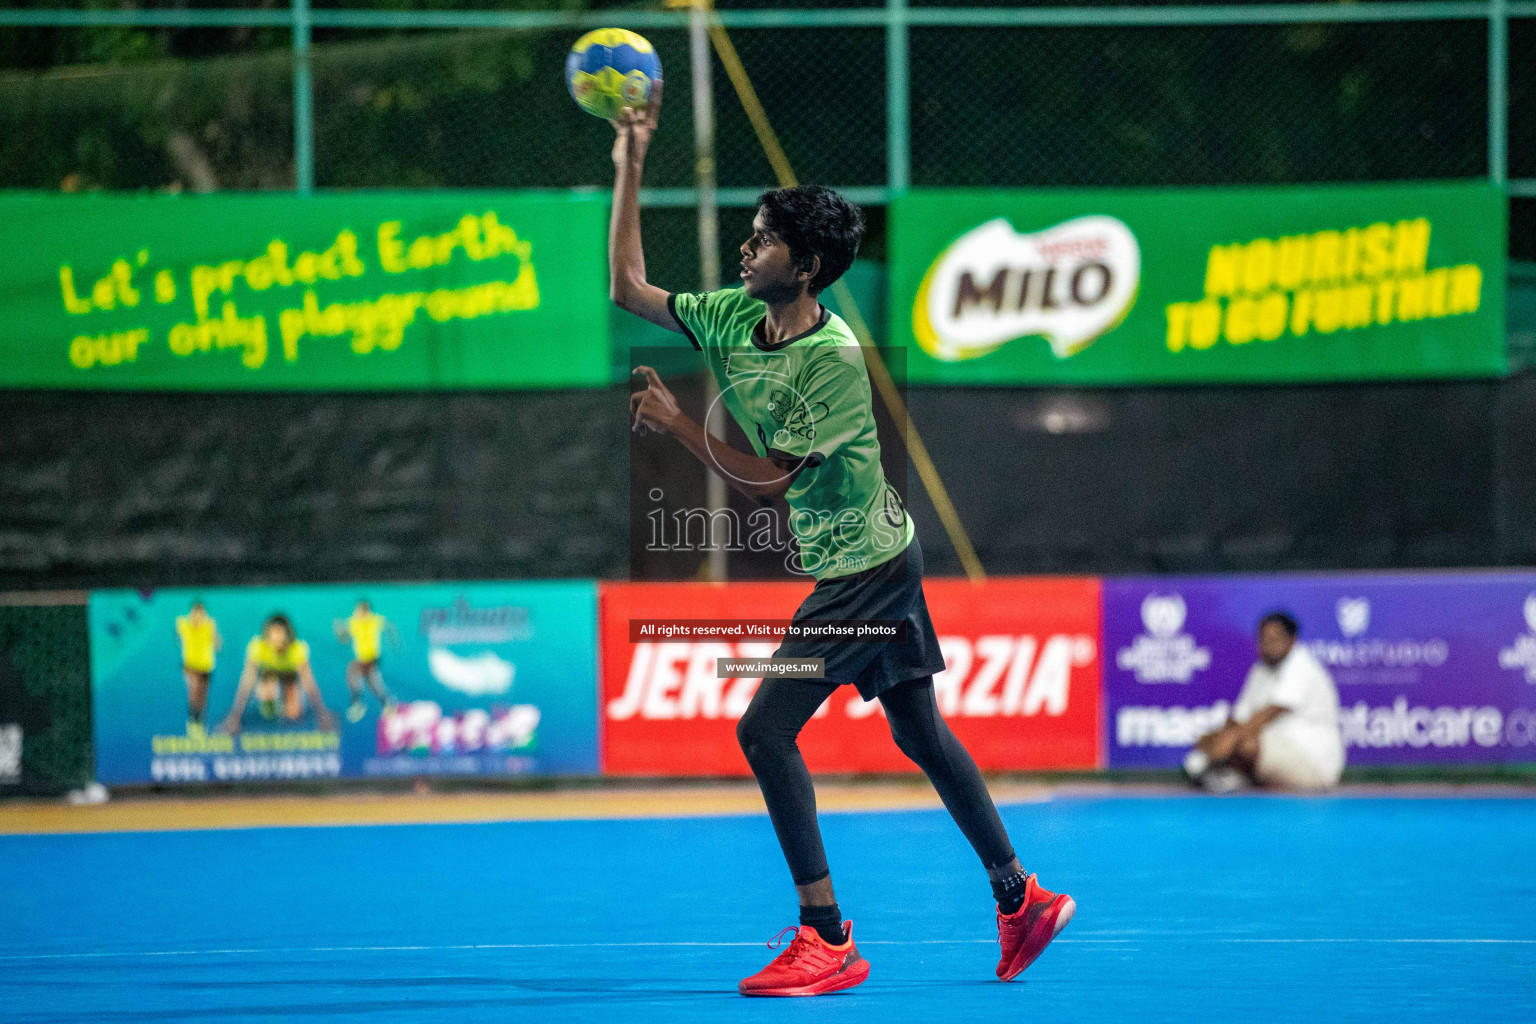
(782,707)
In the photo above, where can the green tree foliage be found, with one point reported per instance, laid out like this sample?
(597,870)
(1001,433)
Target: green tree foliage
(200,109)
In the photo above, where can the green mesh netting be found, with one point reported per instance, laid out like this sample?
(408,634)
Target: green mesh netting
(45,685)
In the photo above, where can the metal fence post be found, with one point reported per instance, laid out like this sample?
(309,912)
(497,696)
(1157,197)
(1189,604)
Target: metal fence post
(303,103)
(702,71)
(1498,90)
(898,153)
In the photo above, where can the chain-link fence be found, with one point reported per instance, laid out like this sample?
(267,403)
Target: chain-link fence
(45,689)
(1203,105)
(199,125)
(1522,100)
(986,99)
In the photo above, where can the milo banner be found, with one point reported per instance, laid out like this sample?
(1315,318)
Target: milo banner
(278,291)
(1220,285)
(1431,668)
(281,683)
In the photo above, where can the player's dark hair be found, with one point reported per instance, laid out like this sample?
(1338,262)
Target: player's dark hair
(816,223)
(1284,620)
(279,619)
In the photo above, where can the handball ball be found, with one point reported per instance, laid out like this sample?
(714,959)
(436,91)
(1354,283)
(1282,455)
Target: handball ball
(610,69)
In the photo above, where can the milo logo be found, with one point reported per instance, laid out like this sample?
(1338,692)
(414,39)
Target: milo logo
(1067,284)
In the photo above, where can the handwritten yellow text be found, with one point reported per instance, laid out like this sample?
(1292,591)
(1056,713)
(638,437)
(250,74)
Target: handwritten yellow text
(380,324)
(338,261)
(88,350)
(481,238)
(373,323)
(229,331)
(113,289)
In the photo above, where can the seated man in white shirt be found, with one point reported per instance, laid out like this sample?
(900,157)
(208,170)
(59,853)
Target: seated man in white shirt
(1284,729)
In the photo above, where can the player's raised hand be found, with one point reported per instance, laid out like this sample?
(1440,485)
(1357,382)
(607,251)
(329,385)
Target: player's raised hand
(654,408)
(650,114)
(633,128)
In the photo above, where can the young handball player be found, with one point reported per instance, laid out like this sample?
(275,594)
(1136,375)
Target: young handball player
(793,376)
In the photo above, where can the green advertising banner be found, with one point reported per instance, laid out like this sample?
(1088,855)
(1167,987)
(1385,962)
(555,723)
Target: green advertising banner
(1219,285)
(389,291)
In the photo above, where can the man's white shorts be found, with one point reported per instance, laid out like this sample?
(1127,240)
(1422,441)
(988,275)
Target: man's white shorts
(1293,755)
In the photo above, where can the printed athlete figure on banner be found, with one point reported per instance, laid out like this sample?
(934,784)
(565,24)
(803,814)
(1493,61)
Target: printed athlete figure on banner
(200,644)
(793,376)
(277,668)
(365,630)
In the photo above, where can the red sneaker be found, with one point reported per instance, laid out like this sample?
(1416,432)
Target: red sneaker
(1026,932)
(809,966)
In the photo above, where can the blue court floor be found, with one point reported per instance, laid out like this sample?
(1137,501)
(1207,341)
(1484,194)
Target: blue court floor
(1189,910)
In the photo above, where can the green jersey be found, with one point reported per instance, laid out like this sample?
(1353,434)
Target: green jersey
(806,399)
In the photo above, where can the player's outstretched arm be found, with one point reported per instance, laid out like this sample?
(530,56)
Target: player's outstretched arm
(242,694)
(655,410)
(323,716)
(626,257)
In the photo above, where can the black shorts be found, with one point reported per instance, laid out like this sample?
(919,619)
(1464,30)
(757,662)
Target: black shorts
(282,678)
(892,590)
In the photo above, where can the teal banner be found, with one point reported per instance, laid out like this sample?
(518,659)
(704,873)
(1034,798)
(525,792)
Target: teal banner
(488,679)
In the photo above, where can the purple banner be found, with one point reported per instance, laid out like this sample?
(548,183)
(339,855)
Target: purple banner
(1431,668)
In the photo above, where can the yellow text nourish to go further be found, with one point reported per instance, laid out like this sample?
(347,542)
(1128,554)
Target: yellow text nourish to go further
(1323,282)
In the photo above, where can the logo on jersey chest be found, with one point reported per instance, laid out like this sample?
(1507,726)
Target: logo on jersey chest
(764,391)
(794,415)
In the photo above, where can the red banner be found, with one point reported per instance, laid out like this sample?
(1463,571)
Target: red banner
(1021,689)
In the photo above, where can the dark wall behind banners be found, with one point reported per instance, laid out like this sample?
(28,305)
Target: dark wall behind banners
(128,490)
(1235,479)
